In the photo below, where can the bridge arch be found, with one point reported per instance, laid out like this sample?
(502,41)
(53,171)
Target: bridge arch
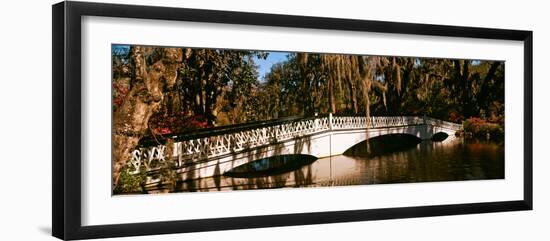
(440,136)
(348,138)
(383,144)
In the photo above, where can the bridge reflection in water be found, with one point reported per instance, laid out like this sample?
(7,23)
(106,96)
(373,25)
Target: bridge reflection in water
(426,161)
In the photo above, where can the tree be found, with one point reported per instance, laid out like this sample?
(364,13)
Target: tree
(154,70)
(207,74)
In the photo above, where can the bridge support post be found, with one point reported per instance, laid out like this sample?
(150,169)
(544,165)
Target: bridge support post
(330,121)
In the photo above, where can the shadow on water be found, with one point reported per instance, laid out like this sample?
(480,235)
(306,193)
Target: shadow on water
(271,166)
(382,145)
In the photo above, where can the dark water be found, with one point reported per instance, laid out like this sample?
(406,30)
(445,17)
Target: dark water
(271,166)
(392,160)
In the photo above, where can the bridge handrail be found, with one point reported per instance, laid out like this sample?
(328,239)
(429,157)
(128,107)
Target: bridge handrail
(221,130)
(346,122)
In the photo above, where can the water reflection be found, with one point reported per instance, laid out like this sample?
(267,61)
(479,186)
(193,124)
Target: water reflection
(426,161)
(271,166)
(382,145)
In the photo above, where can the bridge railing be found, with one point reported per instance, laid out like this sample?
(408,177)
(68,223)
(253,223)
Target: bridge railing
(442,123)
(222,141)
(357,122)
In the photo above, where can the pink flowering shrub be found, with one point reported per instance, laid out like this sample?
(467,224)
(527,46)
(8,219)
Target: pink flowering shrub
(178,123)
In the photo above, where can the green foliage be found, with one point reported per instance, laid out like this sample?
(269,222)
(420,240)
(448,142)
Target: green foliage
(130,183)
(210,76)
(442,88)
(135,183)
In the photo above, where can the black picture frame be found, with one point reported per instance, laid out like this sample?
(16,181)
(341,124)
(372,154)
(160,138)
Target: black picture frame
(67,135)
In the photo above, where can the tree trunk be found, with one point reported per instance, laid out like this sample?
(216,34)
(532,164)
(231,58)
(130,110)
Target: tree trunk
(484,92)
(332,105)
(210,102)
(130,121)
(353,96)
(462,74)
(467,92)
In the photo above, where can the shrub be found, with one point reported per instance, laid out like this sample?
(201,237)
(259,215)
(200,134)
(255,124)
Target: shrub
(177,123)
(480,128)
(455,117)
(130,183)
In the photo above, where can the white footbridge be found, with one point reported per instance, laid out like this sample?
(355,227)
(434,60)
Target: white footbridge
(214,152)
